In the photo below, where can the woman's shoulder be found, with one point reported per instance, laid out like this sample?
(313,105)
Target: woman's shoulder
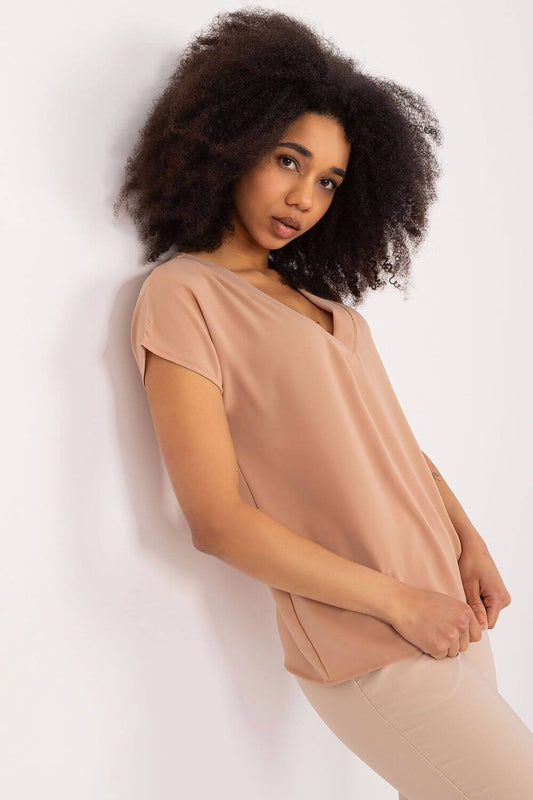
(179,271)
(354,313)
(180,266)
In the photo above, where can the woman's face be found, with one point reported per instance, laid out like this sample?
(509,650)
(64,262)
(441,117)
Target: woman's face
(298,180)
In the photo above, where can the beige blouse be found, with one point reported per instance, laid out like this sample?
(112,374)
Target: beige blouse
(322,445)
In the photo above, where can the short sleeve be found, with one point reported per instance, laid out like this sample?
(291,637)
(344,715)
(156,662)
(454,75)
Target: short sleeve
(168,321)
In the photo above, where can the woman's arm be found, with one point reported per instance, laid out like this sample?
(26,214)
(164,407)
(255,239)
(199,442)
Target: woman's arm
(485,590)
(264,548)
(465,530)
(194,437)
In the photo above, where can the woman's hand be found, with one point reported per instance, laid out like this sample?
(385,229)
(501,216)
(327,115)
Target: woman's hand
(436,623)
(484,588)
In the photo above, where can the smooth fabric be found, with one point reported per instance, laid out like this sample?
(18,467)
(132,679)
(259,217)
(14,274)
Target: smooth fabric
(435,729)
(322,446)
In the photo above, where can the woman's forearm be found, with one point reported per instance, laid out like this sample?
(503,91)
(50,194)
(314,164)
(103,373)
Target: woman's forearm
(457,514)
(255,543)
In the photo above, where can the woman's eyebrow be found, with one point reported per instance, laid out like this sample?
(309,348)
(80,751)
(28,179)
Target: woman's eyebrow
(308,154)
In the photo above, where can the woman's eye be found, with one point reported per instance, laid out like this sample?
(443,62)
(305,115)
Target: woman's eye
(329,180)
(288,158)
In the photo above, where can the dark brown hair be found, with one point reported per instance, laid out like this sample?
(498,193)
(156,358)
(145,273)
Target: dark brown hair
(236,88)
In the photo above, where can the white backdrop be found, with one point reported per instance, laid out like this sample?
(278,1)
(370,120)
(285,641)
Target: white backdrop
(134,667)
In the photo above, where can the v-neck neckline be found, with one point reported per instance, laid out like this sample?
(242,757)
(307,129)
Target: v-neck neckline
(343,323)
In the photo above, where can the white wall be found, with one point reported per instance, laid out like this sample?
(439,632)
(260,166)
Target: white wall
(134,666)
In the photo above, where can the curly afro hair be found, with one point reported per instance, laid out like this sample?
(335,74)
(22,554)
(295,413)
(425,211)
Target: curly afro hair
(238,85)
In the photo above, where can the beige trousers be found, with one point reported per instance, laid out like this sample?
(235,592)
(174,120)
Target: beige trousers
(435,729)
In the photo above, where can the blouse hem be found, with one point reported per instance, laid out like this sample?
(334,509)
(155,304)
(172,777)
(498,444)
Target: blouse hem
(335,681)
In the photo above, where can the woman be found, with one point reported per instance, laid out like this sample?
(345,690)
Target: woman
(285,180)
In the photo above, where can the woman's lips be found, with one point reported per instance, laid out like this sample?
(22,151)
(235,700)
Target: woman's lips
(285,231)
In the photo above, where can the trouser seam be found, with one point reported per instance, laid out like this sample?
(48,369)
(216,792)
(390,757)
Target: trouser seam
(396,730)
